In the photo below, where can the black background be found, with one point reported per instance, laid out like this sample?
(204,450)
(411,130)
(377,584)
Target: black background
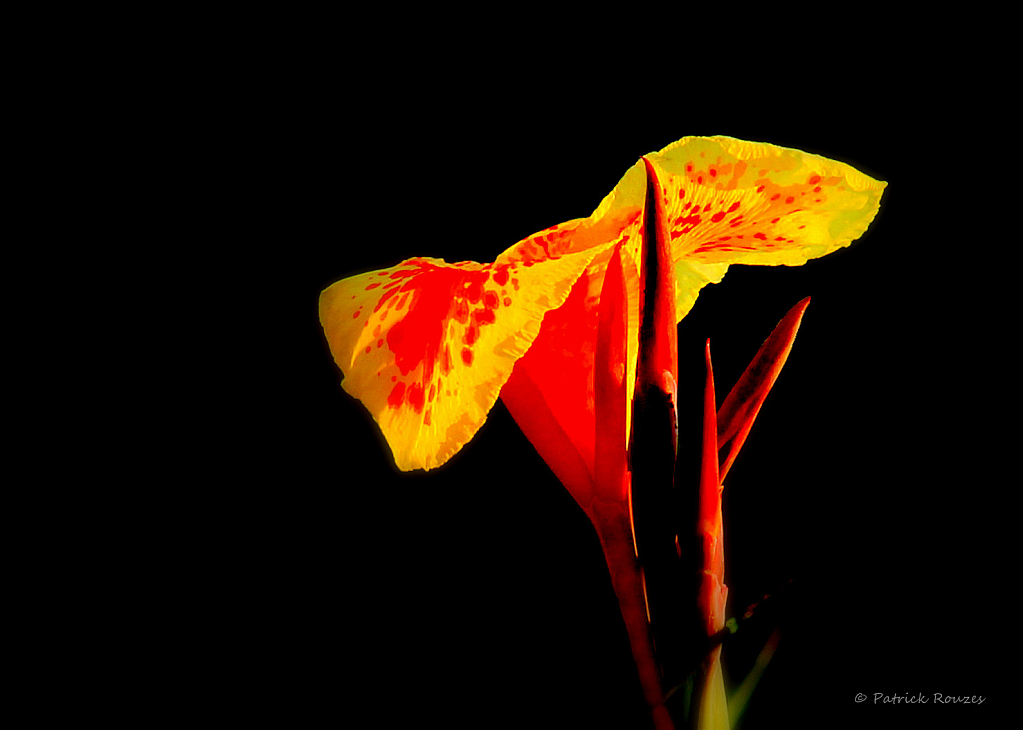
(476,595)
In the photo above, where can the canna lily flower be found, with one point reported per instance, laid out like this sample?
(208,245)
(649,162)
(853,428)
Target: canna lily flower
(574,328)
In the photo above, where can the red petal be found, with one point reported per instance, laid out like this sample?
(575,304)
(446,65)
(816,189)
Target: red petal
(609,383)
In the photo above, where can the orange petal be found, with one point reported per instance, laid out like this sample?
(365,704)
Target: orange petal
(740,409)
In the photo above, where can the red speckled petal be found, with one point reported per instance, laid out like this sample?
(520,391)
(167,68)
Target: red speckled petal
(427,345)
(734,202)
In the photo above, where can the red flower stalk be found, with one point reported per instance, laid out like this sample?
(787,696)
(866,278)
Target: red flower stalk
(731,424)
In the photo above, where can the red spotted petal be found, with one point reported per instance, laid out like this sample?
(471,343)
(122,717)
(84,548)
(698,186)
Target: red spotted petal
(733,202)
(427,345)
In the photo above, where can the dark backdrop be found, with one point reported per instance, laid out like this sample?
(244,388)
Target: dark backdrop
(464,599)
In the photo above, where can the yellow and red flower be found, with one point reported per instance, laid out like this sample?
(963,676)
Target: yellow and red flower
(574,328)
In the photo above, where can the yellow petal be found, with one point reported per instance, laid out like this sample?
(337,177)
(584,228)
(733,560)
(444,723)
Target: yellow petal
(427,345)
(735,202)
